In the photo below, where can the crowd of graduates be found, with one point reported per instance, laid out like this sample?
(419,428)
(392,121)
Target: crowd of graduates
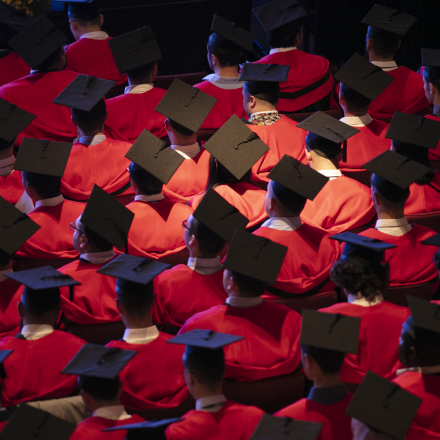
(233,287)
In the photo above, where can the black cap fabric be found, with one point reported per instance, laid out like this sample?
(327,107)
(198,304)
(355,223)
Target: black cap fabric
(278,13)
(236,147)
(330,331)
(155,156)
(43,157)
(232,32)
(38,41)
(107,217)
(425,315)
(390,20)
(298,177)
(13,120)
(433,241)
(135,49)
(98,361)
(384,406)
(364,77)
(264,72)
(255,257)
(205,339)
(431,61)
(152,430)
(84,92)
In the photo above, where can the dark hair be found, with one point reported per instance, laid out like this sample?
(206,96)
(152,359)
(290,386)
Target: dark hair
(96,240)
(264,90)
(290,199)
(329,361)
(393,193)
(45,186)
(180,128)
(99,388)
(92,120)
(50,60)
(39,302)
(136,298)
(248,284)
(219,175)
(322,147)
(142,72)
(4,145)
(145,181)
(285,36)
(227,52)
(435,81)
(208,241)
(357,104)
(5,258)
(384,43)
(427,346)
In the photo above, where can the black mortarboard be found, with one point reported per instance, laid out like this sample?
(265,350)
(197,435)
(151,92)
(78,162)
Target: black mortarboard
(278,13)
(13,120)
(12,21)
(153,430)
(155,156)
(186,105)
(38,41)
(236,147)
(86,10)
(43,156)
(29,422)
(255,257)
(84,92)
(98,361)
(298,177)
(364,77)
(433,240)
(431,61)
(3,355)
(232,32)
(330,331)
(425,315)
(390,20)
(219,215)
(135,49)
(261,79)
(384,406)
(205,339)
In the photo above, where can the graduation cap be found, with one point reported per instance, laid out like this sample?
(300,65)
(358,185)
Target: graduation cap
(297,177)
(3,355)
(232,32)
(153,430)
(384,406)
(38,41)
(205,339)
(42,156)
(84,92)
(425,315)
(155,156)
(390,20)
(278,13)
(434,240)
(135,49)
(263,78)
(431,61)
(107,217)
(236,147)
(86,10)
(98,361)
(364,77)
(186,105)
(12,21)
(13,120)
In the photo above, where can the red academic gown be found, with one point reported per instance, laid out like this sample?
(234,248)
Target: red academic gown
(10,295)
(103,164)
(161,384)
(232,422)
(35,93)
(342,204)
(434,154)
(34,367)
(54,238)
(130,114)
(248,199)
(271,338)
(423,198)
(182,292)
(305,270)
(157,230)
(12,67)
(11,187)
(376,352)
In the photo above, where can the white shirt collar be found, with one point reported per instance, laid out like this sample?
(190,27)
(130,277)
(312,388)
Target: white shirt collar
(140,335)
(283,223)
(260,113)
(92,140)
(359,300)
(243,302)
(210,403)
(36,331)
(98,257)
(331,174)
(115,412)
(224,83)
(423,370)
(386,66)
(281,49)
(138,89)
(53,201)
(152,198)
(187,151)
(205,266)
(357,121)
(2,274)
(25,203)
(97,35)
(6,165)
(393,226)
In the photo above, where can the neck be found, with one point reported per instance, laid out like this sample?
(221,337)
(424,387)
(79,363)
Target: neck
(139,81)
(383,214)
(94,405)
(327,381)
(89,29)
(182,141)
(436,99)
(4,154)
(199,392)
(194,252)
(226,72)
(263,106)
(348,114)
(373,57)
(89,249)
(96,132)
(133,322)
(323,164)
(37,320)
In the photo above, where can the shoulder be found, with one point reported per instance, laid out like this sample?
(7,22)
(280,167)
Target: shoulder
(422,230)
(67,338)
(71,267)
(209,315)
(294,410)
(177,272)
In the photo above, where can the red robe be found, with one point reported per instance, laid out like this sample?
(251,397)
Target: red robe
(54,238)
(157,230)
(232,422)
(434,154)
(229,102)
(11,187)
(337,425)
(248,199)
(342,204)
(103,164)
(34,367)
(35,93)
(271,338)
(423,198)
(376,352)
(12,67)
(130,114)
(302,271)
(181,292)
(161,384)
(11,292)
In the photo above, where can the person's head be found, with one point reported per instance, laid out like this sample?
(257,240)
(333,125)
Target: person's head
(431,86)
(98,392)
(144,182)
(41,186)
(352,101)
(388,197)
(222,52)
(289,35)
(178,134)
(84,18)
(319,362)
(5,259)
(92,122)
(219,174)
(6,147)
(39,306)
(381,43)
(56,61)
(240,285)
(281,201)
(260,96)
(144,74)
(85,240)
(320,152)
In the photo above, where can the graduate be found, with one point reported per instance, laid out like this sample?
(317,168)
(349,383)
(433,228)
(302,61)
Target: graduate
(343,203)
(273,329)
(153,378)
(39,352)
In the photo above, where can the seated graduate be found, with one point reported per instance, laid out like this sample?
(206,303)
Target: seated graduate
(225,48)
(35,92)
(363,277)
(325,340)
(95,158)
(306,271)
(153,378)
(39,352)
(273,329)
(42,164)
(386,27)
(136,54)
(309,86)
(97,368)
(343,203)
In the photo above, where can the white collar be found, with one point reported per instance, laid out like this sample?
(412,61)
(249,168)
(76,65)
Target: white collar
(36,331)
(386,66)
(357,121)
(331,174)
(115,412)
(281,49)
(187,151)
(393,226)
(138,89)
(92,140)
(283,223)
(6,165)
(140,335)
(53,201)
(260,113)
(210,403)
(96,35)
(243,302)
(359,300)
(152,198)
(424,370)
(205,266)
(224,83)
(2,274)
(98,257)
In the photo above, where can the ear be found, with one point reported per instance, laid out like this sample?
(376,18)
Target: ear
(119,306)
(74,26)
(63,59)
(101,20)
(398,46)
(309,155)
(252,101)
(73,122)
(342,99)
(368,45)
(154,74)
(167,125)
(299,38)
(83,241)
(21,309)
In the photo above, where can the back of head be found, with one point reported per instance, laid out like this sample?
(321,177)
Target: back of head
(291,200)
(50,60)
(227,52)
(357,104)
(248,285)
(5,145)
(180,129)
(322,146)
(39,302)
(265,90)
(384,43)
(5,258)
(329,361)
(85,14)
(392,193)
(100,389)
(147,183)
(97,241)
(142,73)
(45,186)
(92,120)
(208,241)
(136,298)
(285,36)
(219,175)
